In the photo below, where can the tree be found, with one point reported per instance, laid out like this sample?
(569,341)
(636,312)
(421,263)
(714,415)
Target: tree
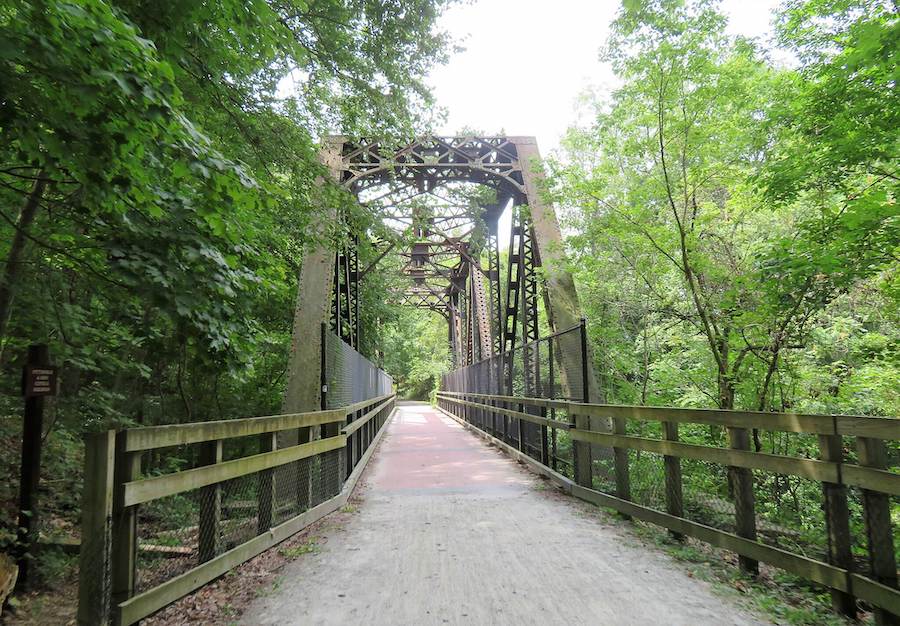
(157,179)
(676,144)
(715,224)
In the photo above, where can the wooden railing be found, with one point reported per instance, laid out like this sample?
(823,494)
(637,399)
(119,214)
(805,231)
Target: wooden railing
(834,469)
(306,467)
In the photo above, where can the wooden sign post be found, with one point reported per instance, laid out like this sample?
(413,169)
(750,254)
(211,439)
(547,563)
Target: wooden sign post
(39,380)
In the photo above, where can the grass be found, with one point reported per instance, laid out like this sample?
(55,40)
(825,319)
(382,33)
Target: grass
(310,547)
(265,592)
(778,596)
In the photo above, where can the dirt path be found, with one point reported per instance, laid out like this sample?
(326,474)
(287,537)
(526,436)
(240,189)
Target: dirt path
(450,531)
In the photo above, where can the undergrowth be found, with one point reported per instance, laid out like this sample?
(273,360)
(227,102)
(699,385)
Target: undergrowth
(776,595)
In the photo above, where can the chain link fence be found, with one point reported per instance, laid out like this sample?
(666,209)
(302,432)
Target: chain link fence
(788,510)
(177,533)
(349,376)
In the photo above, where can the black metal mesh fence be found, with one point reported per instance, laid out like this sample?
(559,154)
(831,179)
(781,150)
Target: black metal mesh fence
(551,367)
(349,376)
(789,509)
(180,532)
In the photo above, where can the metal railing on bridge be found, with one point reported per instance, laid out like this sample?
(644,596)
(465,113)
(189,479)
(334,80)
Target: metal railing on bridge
(169,508)
(552,367)
(810,494)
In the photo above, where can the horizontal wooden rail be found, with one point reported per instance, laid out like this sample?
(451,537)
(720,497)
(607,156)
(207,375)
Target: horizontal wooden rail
(807,468)
(147,489)
(824,471)
(350,408)
(871,479)
(150,437)
(527,417)
(361,421)
(863,426)
(876,593)
(803,566)
(150,601)
(817,571)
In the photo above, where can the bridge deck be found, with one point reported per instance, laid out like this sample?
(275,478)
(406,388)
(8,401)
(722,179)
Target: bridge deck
(451,531)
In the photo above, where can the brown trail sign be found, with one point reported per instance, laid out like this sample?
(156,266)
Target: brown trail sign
(39,380)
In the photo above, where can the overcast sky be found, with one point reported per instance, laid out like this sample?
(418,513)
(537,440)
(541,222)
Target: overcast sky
(527,61)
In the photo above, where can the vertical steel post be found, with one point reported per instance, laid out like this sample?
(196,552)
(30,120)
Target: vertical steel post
(584,362)
(323,365)
(581,450)
(553,453)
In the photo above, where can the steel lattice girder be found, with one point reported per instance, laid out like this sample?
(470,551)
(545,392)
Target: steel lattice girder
(431,161)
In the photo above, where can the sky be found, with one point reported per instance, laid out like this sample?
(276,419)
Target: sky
(527,61)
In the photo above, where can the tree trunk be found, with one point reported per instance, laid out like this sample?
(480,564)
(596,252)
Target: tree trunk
(13,271)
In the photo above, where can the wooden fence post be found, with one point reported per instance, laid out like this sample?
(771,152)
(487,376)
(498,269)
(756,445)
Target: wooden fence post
(124,526)
(96,528)
(331,465)
(620,460)
(545,441)
(210,505)
(350,446)
(520,430)
(674,491)
(581,452)
(744,502)
(267,497)
(554,449)
(837,524)
(304,473)
(877,511)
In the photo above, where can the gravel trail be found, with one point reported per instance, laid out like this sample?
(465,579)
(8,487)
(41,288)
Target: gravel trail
(451,531)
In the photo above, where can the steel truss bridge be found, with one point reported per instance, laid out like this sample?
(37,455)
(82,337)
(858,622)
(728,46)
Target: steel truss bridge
(452,261)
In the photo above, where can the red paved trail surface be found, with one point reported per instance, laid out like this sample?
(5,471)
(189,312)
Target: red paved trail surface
(429,453)
(450,531)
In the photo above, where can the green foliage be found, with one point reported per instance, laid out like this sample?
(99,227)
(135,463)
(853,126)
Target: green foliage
(159,175)
(721,236)
(310,547)
(416,352)
(169,153)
